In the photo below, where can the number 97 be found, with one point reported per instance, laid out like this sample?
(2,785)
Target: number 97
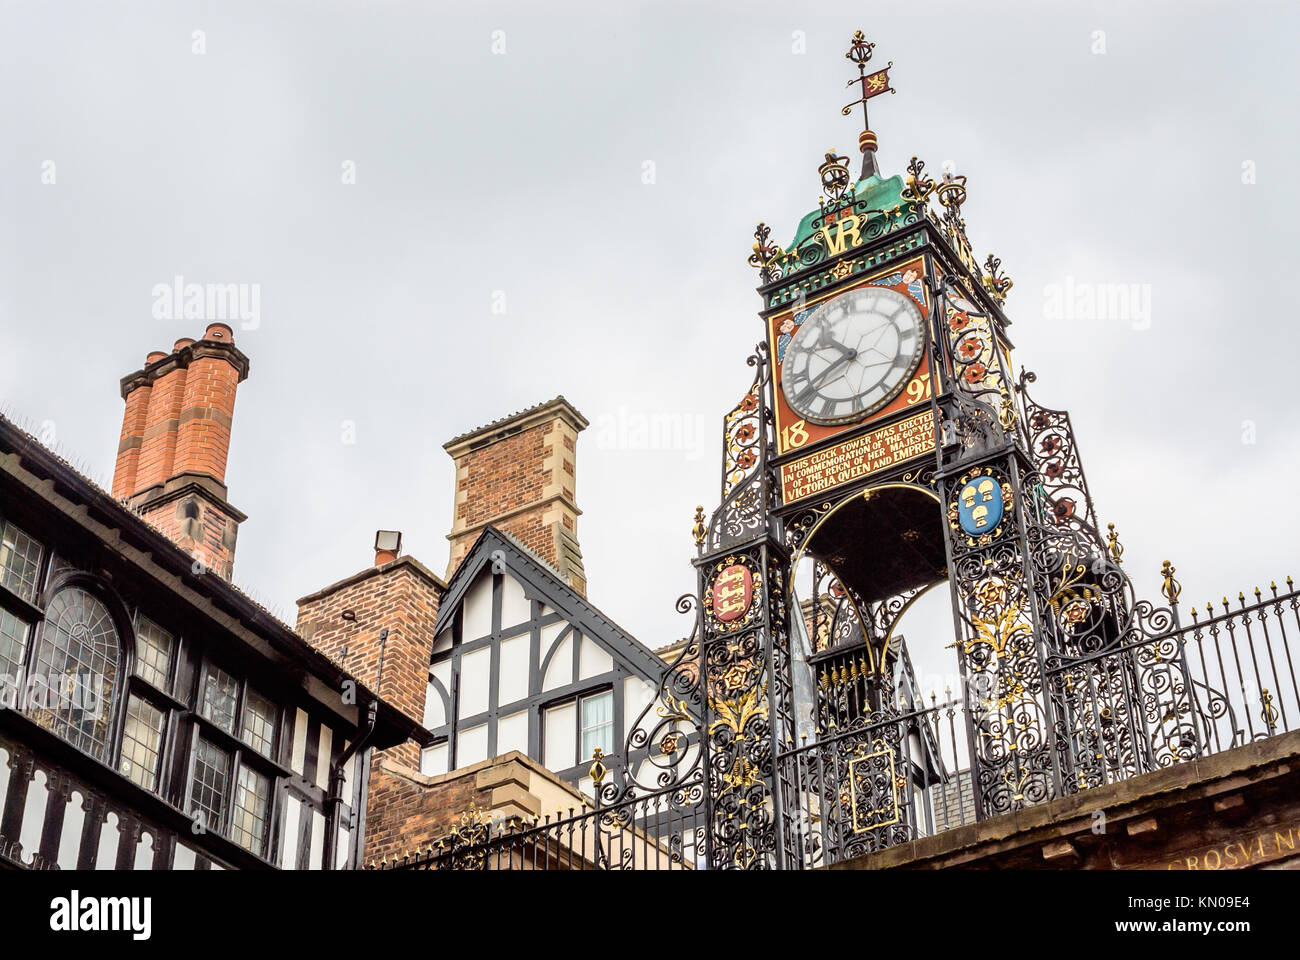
(919,389)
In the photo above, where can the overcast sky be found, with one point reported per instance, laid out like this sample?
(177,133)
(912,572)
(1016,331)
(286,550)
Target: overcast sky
(501,160)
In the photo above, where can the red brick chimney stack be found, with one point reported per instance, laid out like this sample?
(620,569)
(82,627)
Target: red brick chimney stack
(171,462)
(518,474)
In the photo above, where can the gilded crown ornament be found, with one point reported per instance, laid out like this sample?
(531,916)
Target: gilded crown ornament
(952,192)
(835,175)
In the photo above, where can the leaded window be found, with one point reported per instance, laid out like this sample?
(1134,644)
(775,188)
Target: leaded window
(232,784)
(20,560)
(74,672)
(142,742)
(252,810)
(153,652)
(13,642)
(220,698)
(210,783)
(259,723)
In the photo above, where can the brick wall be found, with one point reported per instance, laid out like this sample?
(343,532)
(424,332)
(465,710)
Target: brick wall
(402,596)
(209,537)
(406,813)
(408,810)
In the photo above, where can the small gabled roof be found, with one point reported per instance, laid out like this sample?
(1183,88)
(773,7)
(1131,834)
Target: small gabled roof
(545,584)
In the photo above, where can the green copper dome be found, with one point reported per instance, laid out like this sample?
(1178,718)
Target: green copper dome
(870,193)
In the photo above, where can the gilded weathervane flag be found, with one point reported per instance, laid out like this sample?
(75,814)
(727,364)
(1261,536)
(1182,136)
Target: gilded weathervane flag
(874,84)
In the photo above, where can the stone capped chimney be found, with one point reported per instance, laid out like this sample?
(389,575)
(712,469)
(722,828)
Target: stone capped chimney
(171,462)
(517,474)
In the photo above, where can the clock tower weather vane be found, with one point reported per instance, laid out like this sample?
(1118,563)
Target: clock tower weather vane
(872,85)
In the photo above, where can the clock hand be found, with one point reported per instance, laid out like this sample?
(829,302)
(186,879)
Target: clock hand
(823,341)
(845,357)
(814,382)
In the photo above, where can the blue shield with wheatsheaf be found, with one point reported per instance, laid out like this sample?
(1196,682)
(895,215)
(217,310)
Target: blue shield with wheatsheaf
(979,506)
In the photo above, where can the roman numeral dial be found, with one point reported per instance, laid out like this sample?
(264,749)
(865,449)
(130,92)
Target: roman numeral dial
(853,355)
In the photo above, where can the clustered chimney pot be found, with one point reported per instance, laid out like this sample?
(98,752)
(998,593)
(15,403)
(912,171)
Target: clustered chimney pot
(175,441)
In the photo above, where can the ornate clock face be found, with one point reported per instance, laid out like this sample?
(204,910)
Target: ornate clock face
(853,355)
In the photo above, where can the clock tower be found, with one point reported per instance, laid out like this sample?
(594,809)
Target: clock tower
(886,449)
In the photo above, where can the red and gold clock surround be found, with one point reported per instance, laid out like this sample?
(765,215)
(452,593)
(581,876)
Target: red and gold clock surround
(794,433)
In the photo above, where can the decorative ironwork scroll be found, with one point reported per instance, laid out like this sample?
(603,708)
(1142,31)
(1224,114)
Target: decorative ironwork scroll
(746,487)
(1061,489)
(667,731)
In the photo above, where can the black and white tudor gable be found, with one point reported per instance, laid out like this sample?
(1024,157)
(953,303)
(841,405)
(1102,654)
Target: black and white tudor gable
(522,662)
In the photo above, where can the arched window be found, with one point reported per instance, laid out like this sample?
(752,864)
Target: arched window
(74,673)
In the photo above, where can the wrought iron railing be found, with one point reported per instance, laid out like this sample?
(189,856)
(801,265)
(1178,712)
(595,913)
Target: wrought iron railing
(905,771)
(1208,686)
(1250,653)
(885,778)
(663,830)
